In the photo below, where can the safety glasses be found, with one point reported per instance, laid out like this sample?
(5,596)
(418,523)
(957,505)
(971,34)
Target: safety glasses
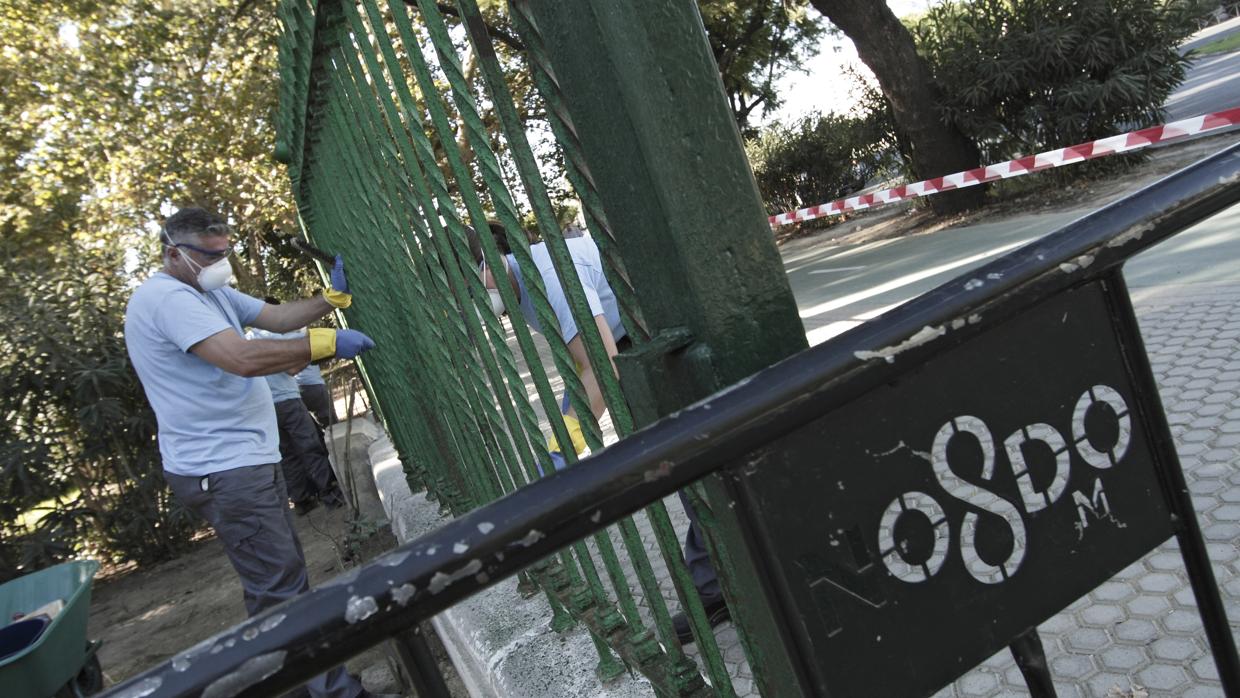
(212,255)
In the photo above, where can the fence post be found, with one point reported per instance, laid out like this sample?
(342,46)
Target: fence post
(643,95)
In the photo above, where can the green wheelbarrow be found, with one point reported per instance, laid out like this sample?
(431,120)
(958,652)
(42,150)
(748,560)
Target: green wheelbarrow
(43,647)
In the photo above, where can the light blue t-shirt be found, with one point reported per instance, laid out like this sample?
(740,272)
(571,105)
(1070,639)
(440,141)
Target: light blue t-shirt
(209,419)
(310,375)
(283,386)
(598,291)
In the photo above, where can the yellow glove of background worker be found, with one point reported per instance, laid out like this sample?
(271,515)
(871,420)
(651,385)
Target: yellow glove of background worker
(574,433)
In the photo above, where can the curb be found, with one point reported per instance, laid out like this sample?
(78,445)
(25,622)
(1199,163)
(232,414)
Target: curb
(500,642)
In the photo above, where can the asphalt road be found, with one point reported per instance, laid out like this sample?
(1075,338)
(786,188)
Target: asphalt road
(1212,84)
(840,287)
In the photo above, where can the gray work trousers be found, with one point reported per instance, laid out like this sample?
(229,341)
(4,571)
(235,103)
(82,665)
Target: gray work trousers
(319,401)
(697,559)
(303,456)
(248,509)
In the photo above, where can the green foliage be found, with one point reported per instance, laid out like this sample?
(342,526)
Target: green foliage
(817,159)
(755,43)
(115,113)
(78,455)
(1020,76)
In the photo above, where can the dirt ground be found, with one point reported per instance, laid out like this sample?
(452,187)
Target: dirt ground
(144,616)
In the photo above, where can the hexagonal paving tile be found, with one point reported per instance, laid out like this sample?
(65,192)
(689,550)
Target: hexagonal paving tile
(1226,512)
(1160,583)
(1085,640)
(1109,684)
(1123,658)
(1137,631)
(1165,562)
(1205,668)
(1148,606)
(1203,691)
(977,683)
(1101,615)
(1114,591)
(1071,666)
(1162,677)
(1174,649)
(1182,622)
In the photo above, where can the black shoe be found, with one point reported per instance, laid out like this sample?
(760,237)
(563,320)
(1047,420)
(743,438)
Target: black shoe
(305,506)
(716,613)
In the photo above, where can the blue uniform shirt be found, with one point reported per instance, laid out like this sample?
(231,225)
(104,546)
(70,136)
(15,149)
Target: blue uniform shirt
(209,419)
(310,375)
(283,386)
(598,291)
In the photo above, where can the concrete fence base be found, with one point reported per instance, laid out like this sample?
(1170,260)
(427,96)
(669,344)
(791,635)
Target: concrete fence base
(500,642)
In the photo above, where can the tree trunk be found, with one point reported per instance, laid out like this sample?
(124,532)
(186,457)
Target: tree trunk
(887,48)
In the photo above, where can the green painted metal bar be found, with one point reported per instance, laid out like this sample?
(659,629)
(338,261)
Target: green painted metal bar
(508,215)
(668,541)
(502,100)
(438,236)
(346,221)
(578,176)
(426,376)
(669,545)
(407,98)
(365,123)
(367,174)
(438,438)
(359,30)
(441,191)
(672,176)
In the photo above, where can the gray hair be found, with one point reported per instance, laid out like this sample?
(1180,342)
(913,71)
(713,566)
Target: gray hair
(189,224)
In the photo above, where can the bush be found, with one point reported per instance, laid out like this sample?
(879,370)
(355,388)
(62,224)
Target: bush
(1021,76)
(80,469)
(817,159)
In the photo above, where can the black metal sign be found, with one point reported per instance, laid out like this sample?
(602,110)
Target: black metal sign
(918,530)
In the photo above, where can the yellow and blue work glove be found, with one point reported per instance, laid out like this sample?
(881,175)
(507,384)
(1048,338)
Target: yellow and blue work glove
(326,343)
(337,295)
(574,433)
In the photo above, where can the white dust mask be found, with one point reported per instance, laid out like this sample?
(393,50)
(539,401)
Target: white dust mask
(212,276)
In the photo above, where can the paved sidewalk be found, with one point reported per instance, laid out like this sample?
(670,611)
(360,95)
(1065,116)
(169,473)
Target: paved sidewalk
(1139,634)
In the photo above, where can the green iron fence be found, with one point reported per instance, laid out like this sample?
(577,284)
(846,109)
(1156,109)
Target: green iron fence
(375,98)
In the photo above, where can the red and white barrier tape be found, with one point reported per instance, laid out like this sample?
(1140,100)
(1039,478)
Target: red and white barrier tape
(1122,143)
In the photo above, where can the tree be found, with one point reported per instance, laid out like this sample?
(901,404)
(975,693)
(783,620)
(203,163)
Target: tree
(755,43)
(1021,76)
(817,159)
(114,113)
(935,147)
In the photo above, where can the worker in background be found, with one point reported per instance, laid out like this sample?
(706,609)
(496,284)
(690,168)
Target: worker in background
(303,455)
(218,437)
(606,312)
(318,399)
